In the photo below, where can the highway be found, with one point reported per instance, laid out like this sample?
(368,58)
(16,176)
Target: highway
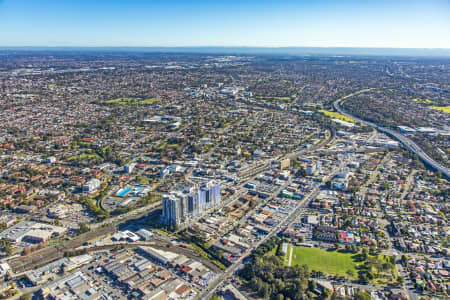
(414,148)
(408,143)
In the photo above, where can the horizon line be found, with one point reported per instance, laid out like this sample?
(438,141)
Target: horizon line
(222,46)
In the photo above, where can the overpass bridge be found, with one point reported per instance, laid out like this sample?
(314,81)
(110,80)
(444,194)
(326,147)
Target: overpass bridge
(405,141)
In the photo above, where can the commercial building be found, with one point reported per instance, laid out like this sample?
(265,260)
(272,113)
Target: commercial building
(50,160)
(159,256)
(50,271)
(406,129)
(144,234)
(91,186)
(57,212)
(74,286)
(426,130)
(285,163)
(31,232)
(313,168)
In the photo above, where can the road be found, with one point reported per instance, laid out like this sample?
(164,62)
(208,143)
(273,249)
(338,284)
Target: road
(290,218)
(407,142)
(255,171)
(373,176)
(51,253)
(129,215)
(408,286)
(407,185)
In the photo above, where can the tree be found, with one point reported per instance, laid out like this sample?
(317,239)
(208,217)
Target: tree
(392,260)
(267,275)
(385,267)
(83,227)
(325,294)
(350,273)
(400,280)
(348,248)
(279,284)
(264,290)
(385,186)
(405,258)
(364,253)
(362,296)
(312,285)
(26,296)
(302,172)
(280,297)
(363,277)
(7,247)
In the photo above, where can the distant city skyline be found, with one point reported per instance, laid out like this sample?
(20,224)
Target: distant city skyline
(263,23)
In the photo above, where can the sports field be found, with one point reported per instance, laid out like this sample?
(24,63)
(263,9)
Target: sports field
(273,98)
(445,109)
(329,262)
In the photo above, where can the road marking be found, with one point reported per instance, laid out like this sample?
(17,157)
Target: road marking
(290,256)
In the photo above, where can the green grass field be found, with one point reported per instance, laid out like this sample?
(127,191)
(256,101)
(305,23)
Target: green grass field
(426,101)
(445,109)
(269,98)
(83,156)
(330,262)
(335,115)
(132,101)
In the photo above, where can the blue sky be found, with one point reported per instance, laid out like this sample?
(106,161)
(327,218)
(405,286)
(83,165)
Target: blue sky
(273,23)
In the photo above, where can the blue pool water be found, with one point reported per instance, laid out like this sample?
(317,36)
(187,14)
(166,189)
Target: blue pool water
(136,190)
(123,192)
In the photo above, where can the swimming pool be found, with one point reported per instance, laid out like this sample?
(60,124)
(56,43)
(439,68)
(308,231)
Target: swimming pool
(123,192)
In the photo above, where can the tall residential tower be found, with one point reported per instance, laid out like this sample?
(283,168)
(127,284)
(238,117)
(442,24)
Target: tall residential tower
(180,206)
